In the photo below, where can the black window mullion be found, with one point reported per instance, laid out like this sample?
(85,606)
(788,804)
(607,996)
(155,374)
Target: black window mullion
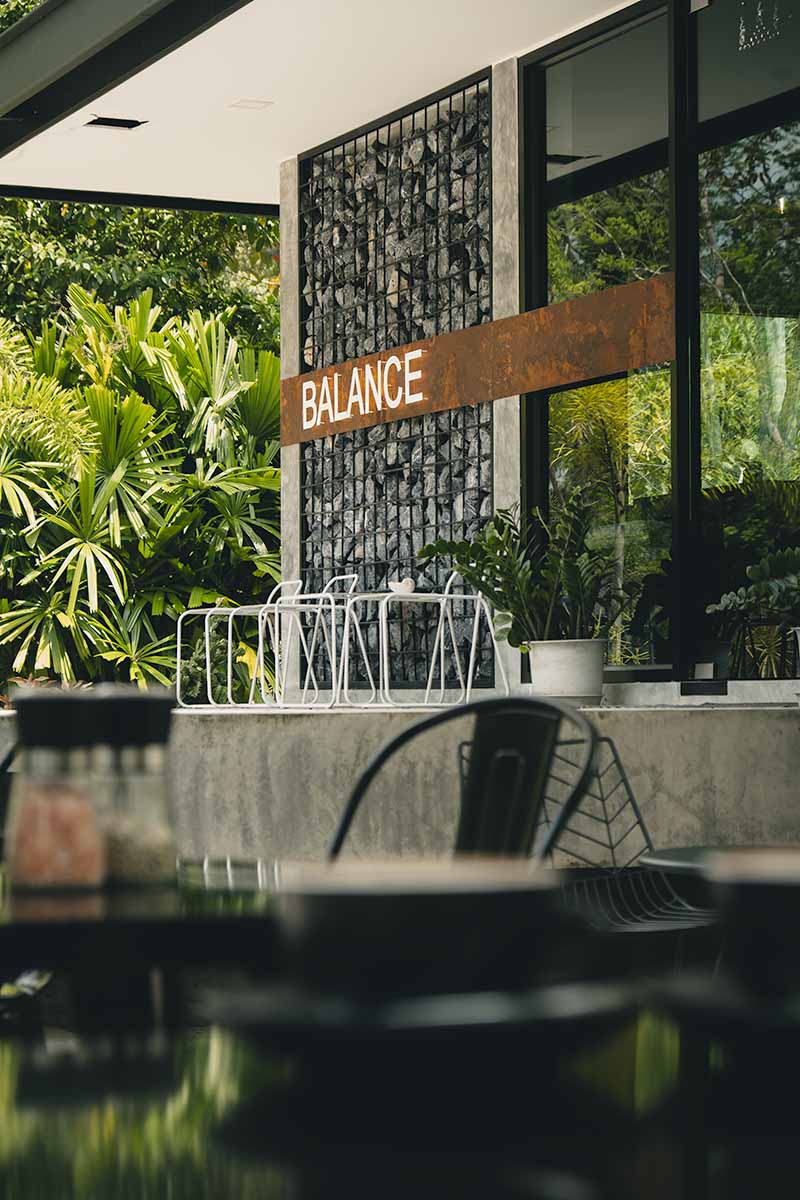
(685,431)
(535,407)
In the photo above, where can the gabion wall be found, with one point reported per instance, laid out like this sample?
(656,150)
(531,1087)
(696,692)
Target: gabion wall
(395,229)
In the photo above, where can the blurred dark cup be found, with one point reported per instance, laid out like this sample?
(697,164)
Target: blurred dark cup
(758,892)
(373,930)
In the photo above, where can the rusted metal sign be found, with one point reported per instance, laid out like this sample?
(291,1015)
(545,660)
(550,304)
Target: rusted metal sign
(606,333)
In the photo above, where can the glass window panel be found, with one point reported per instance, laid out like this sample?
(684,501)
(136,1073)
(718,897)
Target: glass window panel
(748,50)
(750,300)
(749,214)
(609,237)
(608,223)
(611,440)
(608,99)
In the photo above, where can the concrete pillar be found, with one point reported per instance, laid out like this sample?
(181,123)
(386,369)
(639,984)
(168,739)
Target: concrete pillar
(506,284)
(290,365)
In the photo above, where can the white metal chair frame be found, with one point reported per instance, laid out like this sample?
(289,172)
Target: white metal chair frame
(323,606)
(262,612)
(265,614)
(445,600)
(280,618)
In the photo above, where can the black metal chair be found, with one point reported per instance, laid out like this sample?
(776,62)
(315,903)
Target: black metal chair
(506,765)
(606,835)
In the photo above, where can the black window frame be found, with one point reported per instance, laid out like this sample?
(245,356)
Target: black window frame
(687,139)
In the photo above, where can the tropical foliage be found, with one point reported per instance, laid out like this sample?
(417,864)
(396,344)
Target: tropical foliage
(138,476)
(540,576)
(14,10)
(190,260)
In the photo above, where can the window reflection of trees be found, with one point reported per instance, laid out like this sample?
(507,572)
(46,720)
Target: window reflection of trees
(750,299)
(750,371)
(614,437)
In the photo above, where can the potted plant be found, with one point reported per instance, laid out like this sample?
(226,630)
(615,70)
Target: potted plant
(553,596)
(763,617)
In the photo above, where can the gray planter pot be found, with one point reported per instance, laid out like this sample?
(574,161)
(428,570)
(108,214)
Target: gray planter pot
(569,670)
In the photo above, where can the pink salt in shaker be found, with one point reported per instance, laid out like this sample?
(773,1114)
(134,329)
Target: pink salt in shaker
(54,838)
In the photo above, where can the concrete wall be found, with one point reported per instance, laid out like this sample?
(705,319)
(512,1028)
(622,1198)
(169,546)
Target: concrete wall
(273,785)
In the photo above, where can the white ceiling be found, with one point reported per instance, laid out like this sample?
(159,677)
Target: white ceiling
(328,66)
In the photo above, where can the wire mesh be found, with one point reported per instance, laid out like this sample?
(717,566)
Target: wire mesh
(395,228)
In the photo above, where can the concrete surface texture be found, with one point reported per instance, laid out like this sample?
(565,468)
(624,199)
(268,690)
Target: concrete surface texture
(506,431)
(274,785)
(290,365)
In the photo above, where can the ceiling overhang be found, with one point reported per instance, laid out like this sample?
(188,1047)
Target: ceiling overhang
(223,101)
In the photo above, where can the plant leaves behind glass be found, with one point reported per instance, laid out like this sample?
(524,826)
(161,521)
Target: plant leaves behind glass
(542,579)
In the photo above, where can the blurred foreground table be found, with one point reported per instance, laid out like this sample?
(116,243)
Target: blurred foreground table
(219,911)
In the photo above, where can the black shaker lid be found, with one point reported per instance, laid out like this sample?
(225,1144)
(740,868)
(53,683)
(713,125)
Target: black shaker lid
(132,716)
(110,714)
(59,718)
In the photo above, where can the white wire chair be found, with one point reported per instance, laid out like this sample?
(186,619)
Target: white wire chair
(298,627)
(323,609)
(264,613)
(445,627)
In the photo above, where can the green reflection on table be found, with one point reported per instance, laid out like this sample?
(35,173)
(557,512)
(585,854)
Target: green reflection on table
(113,1148)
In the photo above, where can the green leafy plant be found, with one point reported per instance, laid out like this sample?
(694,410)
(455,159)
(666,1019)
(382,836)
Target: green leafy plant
(773,592)
(542,578)
(759,616)
(213,262)
(147,485)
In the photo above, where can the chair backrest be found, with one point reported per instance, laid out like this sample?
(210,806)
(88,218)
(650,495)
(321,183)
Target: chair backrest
(341,585)
(606,829)
(504,769)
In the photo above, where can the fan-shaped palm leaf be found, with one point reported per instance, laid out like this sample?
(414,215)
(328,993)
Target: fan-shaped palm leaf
(87,548)
(44,421)
(126,637)
(22,483)
(42,628)
(51,354)
(259,407)
(130,448)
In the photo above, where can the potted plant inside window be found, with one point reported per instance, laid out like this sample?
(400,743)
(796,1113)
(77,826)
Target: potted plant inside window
(763,618)
(553,595)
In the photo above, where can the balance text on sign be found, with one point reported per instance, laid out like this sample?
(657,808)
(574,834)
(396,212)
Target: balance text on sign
(388,384)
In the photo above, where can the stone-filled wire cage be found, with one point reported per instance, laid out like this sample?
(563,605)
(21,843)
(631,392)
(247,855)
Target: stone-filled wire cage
(396,247)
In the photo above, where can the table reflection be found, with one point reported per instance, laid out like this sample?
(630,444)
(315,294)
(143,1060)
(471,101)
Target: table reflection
(206,1115)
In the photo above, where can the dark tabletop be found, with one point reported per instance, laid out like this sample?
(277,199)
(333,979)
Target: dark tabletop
(171,1095)
(206,1114)
(214,913)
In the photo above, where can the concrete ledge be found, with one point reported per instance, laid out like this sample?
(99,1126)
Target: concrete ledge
(274,784)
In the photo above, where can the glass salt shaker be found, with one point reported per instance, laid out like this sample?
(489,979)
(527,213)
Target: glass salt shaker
(54,838)
(139,827)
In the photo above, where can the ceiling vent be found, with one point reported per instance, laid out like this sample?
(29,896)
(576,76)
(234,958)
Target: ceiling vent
(114,123)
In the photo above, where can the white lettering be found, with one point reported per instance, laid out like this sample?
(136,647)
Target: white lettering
(393,364)
(325,404)
(310,417)
(355,397)
(373,386)
(411,376)
(340,414)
